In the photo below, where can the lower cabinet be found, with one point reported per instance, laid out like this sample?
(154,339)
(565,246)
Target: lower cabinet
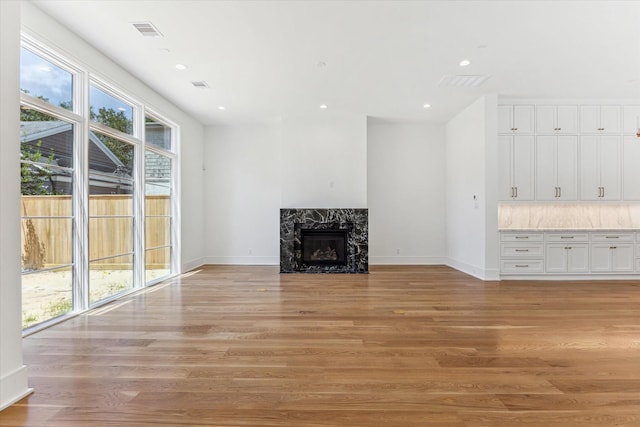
(567,258)
(596,252)
(612,257)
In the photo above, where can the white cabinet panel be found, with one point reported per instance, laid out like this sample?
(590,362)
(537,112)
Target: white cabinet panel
(522,267)
(557,119)
(613,257)
(521,250)
(515,119)
(556,167)
(556,259)
(566,237)
(516,164)
(631,168)
(521,237)
(602,119)
(567,258)
(599,167)
(578,258)
(610,119)
(630,119)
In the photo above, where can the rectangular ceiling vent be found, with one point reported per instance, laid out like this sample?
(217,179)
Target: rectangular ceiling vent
(200,84)
(451,80)
(147,29)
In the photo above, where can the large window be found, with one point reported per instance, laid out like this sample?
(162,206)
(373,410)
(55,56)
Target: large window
(98,190)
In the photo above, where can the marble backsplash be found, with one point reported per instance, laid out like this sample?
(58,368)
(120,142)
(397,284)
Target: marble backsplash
(568,216)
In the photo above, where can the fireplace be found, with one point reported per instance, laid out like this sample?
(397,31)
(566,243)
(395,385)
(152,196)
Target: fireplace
(323,247)
(324,240)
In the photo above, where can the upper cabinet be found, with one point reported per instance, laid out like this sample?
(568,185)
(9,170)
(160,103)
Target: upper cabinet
(516,167)
(557,119)
(600,119)
(515,119)
(631,119)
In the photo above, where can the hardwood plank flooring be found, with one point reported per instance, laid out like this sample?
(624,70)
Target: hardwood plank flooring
(401,346)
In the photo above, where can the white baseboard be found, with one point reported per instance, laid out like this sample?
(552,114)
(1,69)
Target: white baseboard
(472,270)
(242,260)
(190,265)
(406,260)
(13,387)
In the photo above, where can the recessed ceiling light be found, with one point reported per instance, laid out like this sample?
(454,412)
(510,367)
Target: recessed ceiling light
(464,62)
(221,107)
(181,66)
(164,50)
(323,106)
(426,106)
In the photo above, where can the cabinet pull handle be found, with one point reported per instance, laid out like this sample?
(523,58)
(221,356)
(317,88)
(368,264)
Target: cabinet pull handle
(612,237)
(556,193)
(522,265)
(602,191)
(516,188)
(522,250)
(567,247)
(613,247)
(566,237)
(522,237)
(559,191)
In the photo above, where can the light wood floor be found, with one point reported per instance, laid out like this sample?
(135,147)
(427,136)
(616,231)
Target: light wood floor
(401,346)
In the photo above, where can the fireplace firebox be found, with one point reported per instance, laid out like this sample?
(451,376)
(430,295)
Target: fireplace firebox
(323,247)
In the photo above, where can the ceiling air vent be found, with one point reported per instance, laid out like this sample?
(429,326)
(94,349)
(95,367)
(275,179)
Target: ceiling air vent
(200,84)
(147,29)
(451,80)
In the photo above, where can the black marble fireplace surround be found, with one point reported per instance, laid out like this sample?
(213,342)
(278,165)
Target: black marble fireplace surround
(325,231)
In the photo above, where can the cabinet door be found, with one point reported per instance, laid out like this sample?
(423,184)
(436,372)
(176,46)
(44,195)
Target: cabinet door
(567,167)
(589,168)
(567,119)
(523,118)
(556,259)
(609,152)
(631,119)
(505,118)
(589,118)
(546,181)
(610,119)
(631,168)
(505,167)
(601,257)
(578,258)
(523,163)
(622,258)
(546,119)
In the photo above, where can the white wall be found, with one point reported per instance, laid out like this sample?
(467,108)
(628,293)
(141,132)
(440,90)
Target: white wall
(465,178)
(324,161)
(243,193)
(406,194)
(42,27)
(13,375)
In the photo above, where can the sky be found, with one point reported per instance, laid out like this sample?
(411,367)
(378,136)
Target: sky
(42,78)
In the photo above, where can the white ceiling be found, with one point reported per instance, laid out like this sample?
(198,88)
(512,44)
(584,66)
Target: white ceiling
(383,59)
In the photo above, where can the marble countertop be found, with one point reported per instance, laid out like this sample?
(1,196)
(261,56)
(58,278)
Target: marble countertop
(568,217)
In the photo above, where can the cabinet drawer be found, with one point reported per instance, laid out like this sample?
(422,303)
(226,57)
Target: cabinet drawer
(566,237)
(612,237)
(521,250)
(521,237)
(638,265)
(521,266)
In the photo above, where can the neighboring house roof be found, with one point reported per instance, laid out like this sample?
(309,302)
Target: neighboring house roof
(100,159)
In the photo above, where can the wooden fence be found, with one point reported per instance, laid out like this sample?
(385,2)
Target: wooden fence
(47,229)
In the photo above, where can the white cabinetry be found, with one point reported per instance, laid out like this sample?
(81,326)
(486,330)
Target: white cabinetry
(612,252)
(516,167)
(571,253)
(604,119)
(556,167)
(557,119)
(631,168)
(599,167)
(521,253)
(631,119)
(638,252)
(515,119)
